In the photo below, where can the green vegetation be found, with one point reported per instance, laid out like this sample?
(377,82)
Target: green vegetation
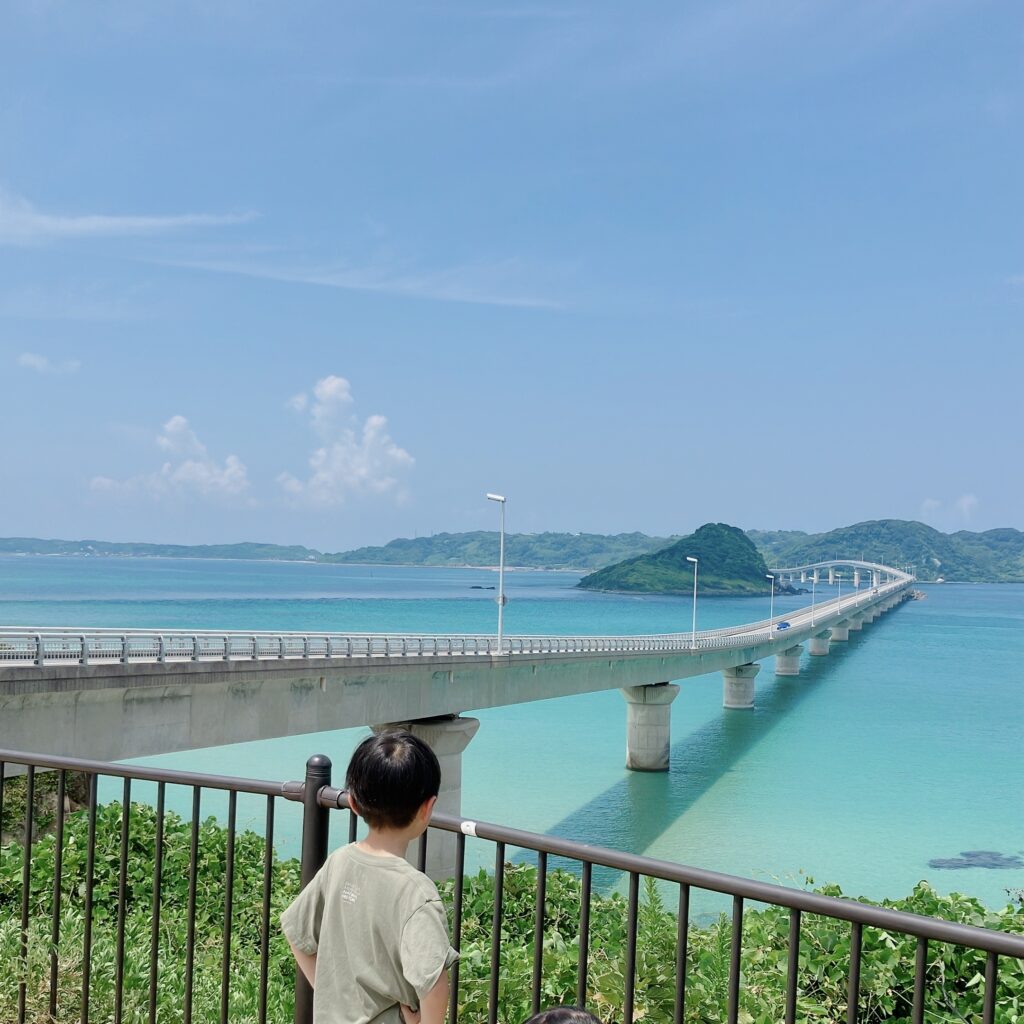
(995,556)
(729,564)
(955,986)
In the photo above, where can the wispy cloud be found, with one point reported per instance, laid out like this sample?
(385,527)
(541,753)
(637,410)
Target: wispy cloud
(189,470)
(955,514)
(480,284)
(21,223)
(355,460)
(43,364)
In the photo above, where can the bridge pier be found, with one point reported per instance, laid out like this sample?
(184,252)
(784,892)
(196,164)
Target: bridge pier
(841,631)
(448,736)
(856,622)
(648,726)
(738,686)
(831,576)
(817,646)
(788,662)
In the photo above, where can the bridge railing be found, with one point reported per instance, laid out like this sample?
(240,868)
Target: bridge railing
(124,915)
(55,646)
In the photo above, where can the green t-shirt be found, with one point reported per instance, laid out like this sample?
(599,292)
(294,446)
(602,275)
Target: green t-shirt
(379,932)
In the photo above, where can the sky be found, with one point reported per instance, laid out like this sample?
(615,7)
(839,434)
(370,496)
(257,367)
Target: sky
(327,273)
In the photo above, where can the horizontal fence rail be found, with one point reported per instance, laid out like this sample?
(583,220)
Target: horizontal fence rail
(21,646)
(88,961)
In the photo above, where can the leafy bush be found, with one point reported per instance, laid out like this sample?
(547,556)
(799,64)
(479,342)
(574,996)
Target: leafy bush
(955,975)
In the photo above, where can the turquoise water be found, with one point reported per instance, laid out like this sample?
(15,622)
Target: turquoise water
(900,747)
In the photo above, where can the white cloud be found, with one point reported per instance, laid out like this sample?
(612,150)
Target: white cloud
(355,459)
(929,506)
(43,364)
(22,224)
(965,506)
(189,470)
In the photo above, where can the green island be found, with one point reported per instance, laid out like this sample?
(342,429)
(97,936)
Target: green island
(887,968)
(729,564)
(993,556)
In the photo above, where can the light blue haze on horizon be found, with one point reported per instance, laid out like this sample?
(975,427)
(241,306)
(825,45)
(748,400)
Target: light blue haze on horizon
(325,275)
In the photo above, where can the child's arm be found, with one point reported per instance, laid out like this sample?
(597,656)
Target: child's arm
(433,1006)
(306,962)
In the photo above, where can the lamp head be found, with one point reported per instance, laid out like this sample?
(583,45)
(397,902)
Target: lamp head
(496,497)
(690,558)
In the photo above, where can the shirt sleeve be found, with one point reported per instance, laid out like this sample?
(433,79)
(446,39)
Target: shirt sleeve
(425,949)
(300,922)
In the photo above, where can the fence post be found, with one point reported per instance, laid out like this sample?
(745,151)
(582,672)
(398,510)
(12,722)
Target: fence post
(315,826)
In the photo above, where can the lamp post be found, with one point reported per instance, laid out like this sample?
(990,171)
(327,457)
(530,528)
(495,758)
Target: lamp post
(693,635)
(839,580)
(814,582)
(500,499)
(771,607)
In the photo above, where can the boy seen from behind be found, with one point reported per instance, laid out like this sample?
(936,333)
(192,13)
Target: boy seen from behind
(369,931)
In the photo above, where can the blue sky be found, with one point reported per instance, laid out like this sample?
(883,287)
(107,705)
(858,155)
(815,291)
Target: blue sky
(326,273)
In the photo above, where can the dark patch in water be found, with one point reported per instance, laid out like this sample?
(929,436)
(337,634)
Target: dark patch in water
(977,859)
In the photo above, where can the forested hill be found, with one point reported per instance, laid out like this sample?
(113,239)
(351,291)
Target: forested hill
(728,564)
(537,550)
(995,556)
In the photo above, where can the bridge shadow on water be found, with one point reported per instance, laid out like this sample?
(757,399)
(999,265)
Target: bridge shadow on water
(634,812)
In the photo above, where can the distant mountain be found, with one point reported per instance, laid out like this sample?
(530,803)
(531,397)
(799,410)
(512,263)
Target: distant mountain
(534,550)
(537,550)
(729,563)
(995,556)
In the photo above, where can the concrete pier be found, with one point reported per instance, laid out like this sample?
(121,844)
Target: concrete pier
(817,646)
(856,622)
(738,686)
(831,576)
(841,631)
(788,662)
(448,736)
(648,726)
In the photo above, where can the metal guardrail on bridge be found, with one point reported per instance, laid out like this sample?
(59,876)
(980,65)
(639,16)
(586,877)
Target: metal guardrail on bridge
(54,646)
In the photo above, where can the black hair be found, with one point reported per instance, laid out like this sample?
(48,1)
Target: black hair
(563,1015)
(390,777)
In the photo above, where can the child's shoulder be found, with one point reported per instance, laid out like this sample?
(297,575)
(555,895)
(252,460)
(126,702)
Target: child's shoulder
(397,871)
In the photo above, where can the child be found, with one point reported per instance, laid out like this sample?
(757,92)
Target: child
(369,931)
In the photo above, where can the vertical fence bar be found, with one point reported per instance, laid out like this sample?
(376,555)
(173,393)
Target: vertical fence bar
(3,768)
(353,823)
(122,897)
(682,951)
(921,963)
(460,868)
(154,934)
(90,865)
(584,962)
(421,852)
(26,884)
(268,876)
(190,929)
(499,895)
(853,986)
(736,945)
(58,870)
(631,925)
(989,1011)
(538,928)
(315,827)
(793,965)
(229,891)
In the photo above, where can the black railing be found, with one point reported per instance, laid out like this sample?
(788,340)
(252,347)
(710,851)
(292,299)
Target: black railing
(86,917)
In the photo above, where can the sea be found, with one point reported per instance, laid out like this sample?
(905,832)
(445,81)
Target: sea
(896,758)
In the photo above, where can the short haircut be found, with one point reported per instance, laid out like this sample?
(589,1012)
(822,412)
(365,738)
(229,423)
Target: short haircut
(390,777)
(563,1015)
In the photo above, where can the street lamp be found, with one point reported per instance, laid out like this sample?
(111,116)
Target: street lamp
(771,607)
(814,581)
(500,499)
(693,635)
(839,601)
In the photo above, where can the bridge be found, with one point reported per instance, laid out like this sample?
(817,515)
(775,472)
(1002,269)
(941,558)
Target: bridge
(113,694)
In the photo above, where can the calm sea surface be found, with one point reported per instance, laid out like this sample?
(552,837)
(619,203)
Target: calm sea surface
(900,747)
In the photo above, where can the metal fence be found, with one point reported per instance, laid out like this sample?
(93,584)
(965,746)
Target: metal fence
(40,951)
(55,646)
